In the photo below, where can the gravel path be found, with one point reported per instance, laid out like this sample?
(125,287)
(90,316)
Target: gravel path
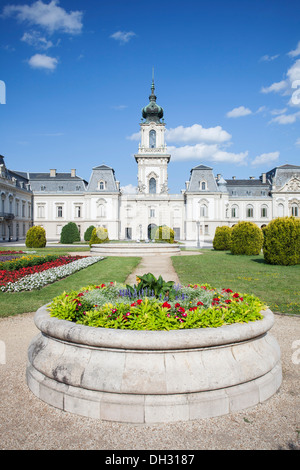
(26,423)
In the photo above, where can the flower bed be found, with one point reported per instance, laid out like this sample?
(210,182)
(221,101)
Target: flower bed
(38,276)
(121,307)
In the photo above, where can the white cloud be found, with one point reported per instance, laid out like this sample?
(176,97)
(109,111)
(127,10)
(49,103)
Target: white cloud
(238,112)
(275,87)
(297,142)
(268,58)
(42,61)
(50,16)
(197,133)
(206,152)
(123,36)
(296,51)
(275,112)
(265,158)
(35,39)
(135,136)
(129,189)
(286,118)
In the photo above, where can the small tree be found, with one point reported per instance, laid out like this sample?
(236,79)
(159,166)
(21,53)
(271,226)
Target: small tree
(99,235)
(165,234)
(70,233)
(36,237)
(282,241)
(88,233)
(222,238)
(246,239)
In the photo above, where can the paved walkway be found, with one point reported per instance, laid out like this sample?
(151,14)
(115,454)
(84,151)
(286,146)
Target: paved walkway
(157,265)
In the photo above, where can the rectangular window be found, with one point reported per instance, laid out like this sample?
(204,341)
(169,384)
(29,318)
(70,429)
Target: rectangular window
(60,188)
(152,212)
(59,211)
(41,211)
(206,229)
(23,210)
(77,211)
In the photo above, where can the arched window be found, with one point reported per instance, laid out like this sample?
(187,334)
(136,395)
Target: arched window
(249,211)
(234,211)
(295,210)
(152,139)
(101,185)
(264,211)
(203,210)
(101,210)
(280,210)
(152,186)
(203,186)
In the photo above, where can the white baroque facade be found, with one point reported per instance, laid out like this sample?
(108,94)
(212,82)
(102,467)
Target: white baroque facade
(206,202)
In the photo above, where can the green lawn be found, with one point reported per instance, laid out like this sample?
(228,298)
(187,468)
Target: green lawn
(109,269)
(278,286)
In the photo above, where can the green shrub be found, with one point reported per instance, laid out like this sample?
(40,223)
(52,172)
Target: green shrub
(246,239)
(222,238)
(70,233)
(165,234)
(36,237)
(282,241)
(88,233)
(99,235)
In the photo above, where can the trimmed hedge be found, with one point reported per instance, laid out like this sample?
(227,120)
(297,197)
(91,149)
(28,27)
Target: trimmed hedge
(222,238)
(99,235)
(70,233)
(282,241)
(165,234)
(246,239)
(88,233)
(36,237)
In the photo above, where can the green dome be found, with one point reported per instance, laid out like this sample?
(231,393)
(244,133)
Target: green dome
(152,112)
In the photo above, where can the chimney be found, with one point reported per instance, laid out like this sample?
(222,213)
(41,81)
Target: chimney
(73,173)
(233,177)
(264,177)
(52,173)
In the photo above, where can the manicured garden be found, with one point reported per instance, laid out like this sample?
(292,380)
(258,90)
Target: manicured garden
(276,285)
(48,272)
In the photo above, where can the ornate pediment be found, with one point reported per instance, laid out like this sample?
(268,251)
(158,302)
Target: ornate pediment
(292,186)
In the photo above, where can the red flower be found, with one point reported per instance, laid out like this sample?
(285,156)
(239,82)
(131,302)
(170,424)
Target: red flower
(228,301)
(227,290)
(133,305)
(236,295)
(177,305)
(200,303)
(139,301)
(191,309)
(181,310)
(102,285)
(166,305)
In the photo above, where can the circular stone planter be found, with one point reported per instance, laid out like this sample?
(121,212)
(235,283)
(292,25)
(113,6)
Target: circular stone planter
(135,249)
(153,376)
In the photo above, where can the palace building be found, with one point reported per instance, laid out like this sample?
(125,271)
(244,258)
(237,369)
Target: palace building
(53,199)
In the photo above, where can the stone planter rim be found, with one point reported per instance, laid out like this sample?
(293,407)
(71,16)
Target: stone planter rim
(64,330)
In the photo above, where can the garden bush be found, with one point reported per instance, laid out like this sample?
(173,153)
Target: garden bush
(99,235)
(282,241)
(165,234)
(222,238)
(36,237)
(70,233)
(88,233)
(246,239)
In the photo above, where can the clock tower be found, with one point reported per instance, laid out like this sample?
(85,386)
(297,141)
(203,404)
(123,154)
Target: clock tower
(152,157)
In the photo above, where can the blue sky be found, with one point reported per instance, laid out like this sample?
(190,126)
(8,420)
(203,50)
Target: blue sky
(77,74)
